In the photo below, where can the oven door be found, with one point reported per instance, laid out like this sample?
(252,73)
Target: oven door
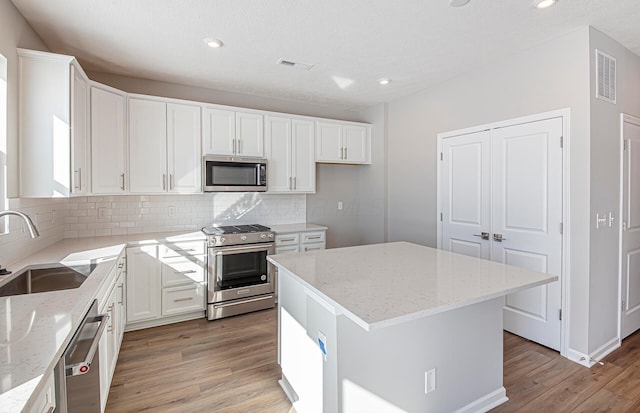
(240,271)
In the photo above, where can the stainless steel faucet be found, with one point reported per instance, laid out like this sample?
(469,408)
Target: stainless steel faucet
(33,231)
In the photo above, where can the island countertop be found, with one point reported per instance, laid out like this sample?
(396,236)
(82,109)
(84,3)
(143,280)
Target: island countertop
(386,284)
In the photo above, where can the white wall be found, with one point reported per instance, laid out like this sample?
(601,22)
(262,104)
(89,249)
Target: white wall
(605,184)
(49,215)
(551,76)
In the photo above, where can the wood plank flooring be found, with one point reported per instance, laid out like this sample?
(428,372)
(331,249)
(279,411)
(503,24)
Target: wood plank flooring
(230,366)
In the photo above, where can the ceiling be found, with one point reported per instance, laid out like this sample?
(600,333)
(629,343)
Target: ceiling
(351,44)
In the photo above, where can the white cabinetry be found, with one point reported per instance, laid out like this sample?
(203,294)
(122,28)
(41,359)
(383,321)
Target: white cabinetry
(45,401)
(165,281)
(343,142)
(300,241)
(164,147)
(53,125)
(227,132)
(108,142)
(111,301)
(290,149)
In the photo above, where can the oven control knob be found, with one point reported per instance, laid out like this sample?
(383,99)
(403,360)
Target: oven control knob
(222,240)
(243,237)
(263,236)
(263,277)
(270,235)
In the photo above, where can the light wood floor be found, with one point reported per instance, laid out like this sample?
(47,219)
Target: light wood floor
(229,365)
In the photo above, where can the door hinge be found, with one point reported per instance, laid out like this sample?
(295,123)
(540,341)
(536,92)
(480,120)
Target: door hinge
(441,216)
(441,157)
(562,141)
(561,228)
(560,314)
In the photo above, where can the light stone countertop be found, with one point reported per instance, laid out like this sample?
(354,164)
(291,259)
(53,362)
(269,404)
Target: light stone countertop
(386,284)
(35,329)
(303,227)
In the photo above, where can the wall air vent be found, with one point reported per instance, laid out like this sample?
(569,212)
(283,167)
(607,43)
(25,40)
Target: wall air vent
(295,65)
(605,77)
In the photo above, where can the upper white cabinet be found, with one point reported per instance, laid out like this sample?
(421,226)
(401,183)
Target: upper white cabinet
(164,147)
(342,142)
(290,149)
(53,125)
(227,132)
(108,142)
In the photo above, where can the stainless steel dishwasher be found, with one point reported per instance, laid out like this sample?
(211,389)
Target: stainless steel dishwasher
(78,372)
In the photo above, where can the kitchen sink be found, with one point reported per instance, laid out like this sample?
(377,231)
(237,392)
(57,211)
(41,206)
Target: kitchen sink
(38,279)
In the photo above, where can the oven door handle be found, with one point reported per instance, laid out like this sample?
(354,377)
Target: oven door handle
(241,248)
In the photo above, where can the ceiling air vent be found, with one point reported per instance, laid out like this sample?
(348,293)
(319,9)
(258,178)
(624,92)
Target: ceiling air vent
(295,65)
(605,77)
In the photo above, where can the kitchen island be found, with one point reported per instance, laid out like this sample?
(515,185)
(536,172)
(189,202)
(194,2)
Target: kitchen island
(393,327)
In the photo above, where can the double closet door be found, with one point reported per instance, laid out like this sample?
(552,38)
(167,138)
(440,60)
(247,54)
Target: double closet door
(501,200)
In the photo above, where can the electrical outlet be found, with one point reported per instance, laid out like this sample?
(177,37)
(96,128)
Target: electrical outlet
(339,205)
(172,211)
(102,212)
(429,381)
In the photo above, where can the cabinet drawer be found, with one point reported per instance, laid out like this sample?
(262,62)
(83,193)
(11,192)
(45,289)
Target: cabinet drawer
(181,249)
(183,270)
(313,237)
(287,249)
(313,246)
(177,300)
(287,239)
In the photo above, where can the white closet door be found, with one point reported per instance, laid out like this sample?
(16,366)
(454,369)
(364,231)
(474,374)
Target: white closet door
(630,268)
(465,183)
(527,213)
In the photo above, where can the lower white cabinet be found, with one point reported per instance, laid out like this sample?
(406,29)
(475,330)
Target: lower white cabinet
(112,302)
(301,241)
(45,402)
(165,281)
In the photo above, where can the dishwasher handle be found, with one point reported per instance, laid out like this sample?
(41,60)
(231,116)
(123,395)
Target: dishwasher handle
(84,366)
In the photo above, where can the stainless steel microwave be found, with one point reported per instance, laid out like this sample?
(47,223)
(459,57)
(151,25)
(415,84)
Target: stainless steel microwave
(231,174)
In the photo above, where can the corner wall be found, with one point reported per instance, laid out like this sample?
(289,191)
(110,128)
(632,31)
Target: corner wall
(550,76)
(605,162)
(48,214)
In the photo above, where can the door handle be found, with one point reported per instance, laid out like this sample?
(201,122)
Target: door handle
(498,237)
(122,181)
(483,235)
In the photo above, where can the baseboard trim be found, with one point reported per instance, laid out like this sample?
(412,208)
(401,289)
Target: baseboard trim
(486,402)
(602,351)
(288,390)
(139,325)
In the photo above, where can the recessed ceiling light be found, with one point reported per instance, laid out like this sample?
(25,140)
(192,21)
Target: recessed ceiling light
(384,81)
(543,4)
(213,43)
(458,3)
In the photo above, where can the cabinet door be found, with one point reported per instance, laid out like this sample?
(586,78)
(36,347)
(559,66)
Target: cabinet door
(183,148)
(328,142)
(278,152)
(148,146)
(107,141)
(249,134)
(303,159)
(143,286)
(355,143)
(79,132)
(218,132)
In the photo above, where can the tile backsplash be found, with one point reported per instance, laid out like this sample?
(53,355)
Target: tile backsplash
(49,216)
(135,214)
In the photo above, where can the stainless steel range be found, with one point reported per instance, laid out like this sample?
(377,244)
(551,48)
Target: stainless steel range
(239,277)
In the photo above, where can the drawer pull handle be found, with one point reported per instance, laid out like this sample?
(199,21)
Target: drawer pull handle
(186,272)
(287,239)
(316,237)
(182,299)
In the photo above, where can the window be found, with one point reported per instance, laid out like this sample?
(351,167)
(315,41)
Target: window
(3,140)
